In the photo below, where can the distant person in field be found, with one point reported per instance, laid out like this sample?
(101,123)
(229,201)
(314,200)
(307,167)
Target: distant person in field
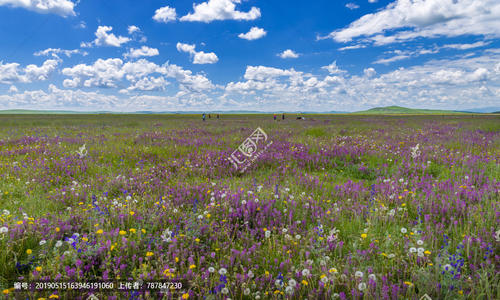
(203,116)
(209,116)
(274,117)
(217,116)
(283,116)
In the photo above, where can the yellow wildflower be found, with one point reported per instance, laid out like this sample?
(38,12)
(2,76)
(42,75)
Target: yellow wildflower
(364,235)
(192,266)
(29,251)
(148,254)
(123,232)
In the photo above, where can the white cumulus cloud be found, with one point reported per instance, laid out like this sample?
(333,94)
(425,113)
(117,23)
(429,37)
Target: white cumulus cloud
(141,74)
(404,20)
(105,38)
(333,68)
(11,72)
(288,54)
(199,57)
(55,51)
(59,7)
(369,72)
(352,6)
(143,51)
(214,10)
(165,14)
(254,34)
(132,28)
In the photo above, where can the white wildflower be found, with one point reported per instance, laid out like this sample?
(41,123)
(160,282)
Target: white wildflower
(58,244)
(166,235)
(359,274)
(420,242)
(82,151)
(372,277)
(246,292)
(292,283)
(362,286)
(413,250)
(222,271)
(306,272)
(289,290)
(4,229)
(225,291)
(403,230)
(211,269)
(415,152)
(278,283)
(268,234)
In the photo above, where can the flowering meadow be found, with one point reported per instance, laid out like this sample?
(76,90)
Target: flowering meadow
(338,207)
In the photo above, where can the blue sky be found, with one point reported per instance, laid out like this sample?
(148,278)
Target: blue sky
(123,55)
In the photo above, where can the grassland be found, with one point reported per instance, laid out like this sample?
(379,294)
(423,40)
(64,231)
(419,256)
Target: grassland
(340,206)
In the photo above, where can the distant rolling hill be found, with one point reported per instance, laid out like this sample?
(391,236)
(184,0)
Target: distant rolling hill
(396,110)
(49,112)
(387,110)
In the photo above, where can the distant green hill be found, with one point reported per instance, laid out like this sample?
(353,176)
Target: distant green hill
(29,112)
(387,110)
